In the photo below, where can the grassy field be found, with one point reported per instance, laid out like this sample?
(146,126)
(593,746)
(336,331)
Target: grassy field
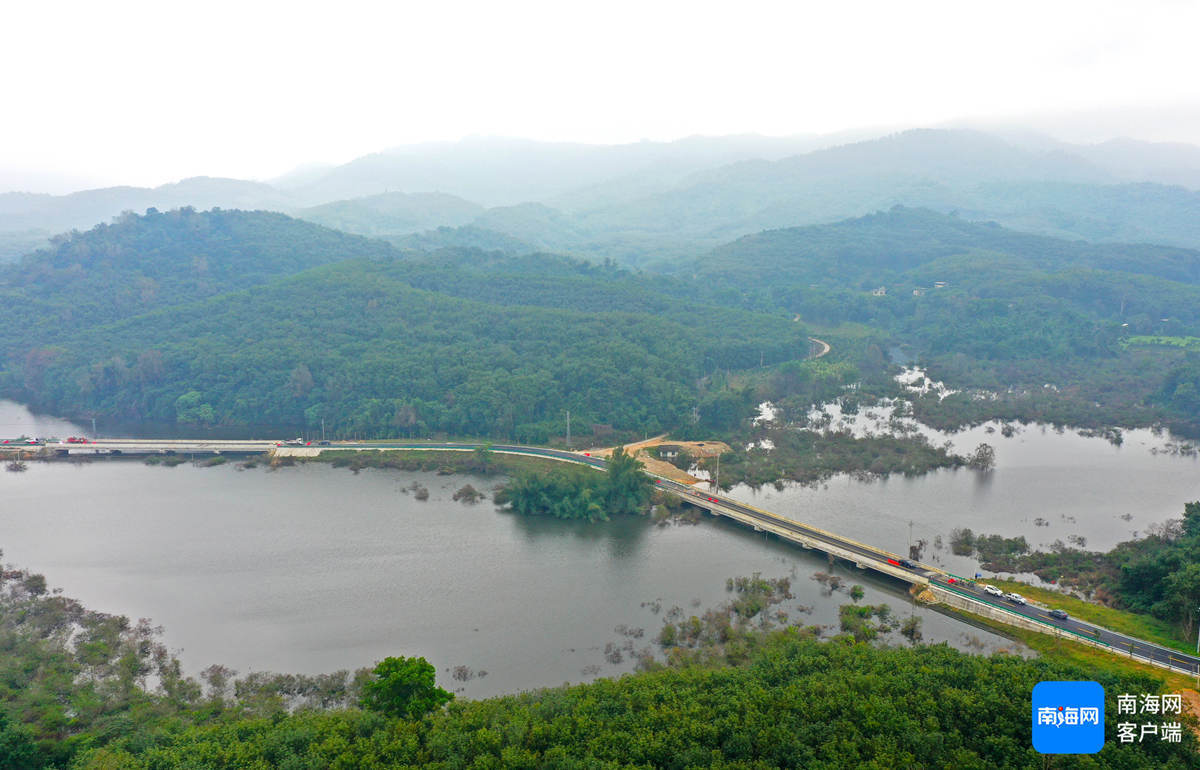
(1133,624)
(1145,340)
(442,462)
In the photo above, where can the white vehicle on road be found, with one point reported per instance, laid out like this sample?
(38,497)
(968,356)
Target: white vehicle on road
(993,590)
(1015,598)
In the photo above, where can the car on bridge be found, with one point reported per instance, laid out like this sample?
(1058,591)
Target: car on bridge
(909,563)
(1015,598)
(1059,614)
(992,590)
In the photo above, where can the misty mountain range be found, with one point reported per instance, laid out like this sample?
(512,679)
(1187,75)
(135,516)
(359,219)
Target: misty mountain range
(655,204)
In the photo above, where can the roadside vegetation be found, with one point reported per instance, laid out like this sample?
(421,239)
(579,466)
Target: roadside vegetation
(1063,651)
(480,462)
(1155,578)
(577,492)
(1141,626)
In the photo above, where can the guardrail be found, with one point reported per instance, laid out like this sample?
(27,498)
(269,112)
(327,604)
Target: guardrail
(1013,612)
(1113,649)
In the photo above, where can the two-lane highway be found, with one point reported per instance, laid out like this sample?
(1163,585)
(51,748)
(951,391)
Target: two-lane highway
(1119,642)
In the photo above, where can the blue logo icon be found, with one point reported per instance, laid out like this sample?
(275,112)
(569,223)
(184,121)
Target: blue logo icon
(1068,717)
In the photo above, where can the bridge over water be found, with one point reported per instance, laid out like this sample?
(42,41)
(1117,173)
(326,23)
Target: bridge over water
(946,587)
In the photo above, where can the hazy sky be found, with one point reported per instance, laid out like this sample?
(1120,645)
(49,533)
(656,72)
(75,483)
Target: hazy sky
(150,92)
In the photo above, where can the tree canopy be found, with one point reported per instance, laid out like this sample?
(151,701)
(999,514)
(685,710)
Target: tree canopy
(403,687)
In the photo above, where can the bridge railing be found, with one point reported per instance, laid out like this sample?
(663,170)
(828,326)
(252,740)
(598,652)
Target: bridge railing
(833,538)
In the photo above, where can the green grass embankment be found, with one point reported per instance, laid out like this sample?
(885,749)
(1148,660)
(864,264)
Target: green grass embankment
(1067,651)
(1130,623)
(486,464)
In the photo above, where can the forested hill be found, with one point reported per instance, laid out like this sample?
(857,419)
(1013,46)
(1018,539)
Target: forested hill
(140,263)
(237,318)
(1057,325)
(393,213)
(949,286)
(492,347)
(879,246)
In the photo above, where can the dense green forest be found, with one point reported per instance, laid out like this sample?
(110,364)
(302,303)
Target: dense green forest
(82,689)
(239,318)
(142,263)
(494,346)
(988,308)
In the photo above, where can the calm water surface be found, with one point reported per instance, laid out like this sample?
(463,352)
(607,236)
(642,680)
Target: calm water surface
(313,569)
(1079,486)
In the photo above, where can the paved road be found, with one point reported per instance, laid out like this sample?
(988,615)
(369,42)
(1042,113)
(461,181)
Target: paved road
(1119,642)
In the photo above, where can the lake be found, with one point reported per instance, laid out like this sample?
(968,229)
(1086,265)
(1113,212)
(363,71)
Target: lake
(1076,485)
(312,568)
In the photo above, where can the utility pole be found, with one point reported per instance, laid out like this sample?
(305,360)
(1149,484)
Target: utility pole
(1198,650)
(568,429)
(910,526)
(322,428)
(94,428)
(718,471)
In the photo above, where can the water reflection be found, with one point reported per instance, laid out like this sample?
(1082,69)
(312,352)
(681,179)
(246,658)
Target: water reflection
(17,420)
(620,538)
(313,569)
(1083,487)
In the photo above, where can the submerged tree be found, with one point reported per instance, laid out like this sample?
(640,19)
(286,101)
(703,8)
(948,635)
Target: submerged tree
(983,458)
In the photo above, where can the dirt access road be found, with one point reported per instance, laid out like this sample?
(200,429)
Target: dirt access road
(664,468)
